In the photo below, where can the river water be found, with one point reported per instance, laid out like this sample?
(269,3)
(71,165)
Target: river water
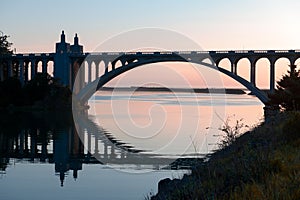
(120,151)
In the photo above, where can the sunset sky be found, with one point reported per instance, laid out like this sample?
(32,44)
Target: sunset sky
(35,25)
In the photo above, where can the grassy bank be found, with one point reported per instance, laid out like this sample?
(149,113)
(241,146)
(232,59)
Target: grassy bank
(261,164)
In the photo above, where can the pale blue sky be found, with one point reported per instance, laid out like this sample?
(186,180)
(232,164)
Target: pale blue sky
(35,25)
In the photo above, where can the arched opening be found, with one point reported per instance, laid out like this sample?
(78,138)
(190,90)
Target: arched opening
(282,65)
(39,65)
(93,71)
(50,68)
(118,64)
(109,67)
(262,73)
(101,68)
(225,64)
(29,71)
(85,65)
(243,68)
(297,63)
(207,60)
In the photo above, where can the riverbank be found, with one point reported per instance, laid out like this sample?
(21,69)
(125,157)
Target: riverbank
(261,164)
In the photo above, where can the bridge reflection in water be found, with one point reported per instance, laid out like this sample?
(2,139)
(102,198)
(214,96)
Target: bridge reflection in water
(39,142)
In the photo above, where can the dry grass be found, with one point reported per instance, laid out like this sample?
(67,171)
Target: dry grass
(261,164)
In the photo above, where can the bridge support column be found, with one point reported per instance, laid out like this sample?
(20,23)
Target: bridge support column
(33,146)
(22,142)
(9,68)
(112,152)
(105,154)
(233,68)
(82,77)
(26,141)
(26,72)
(44,66)
(252,73)
(89,65)
(106,66)
(97,70)
(272,76)
(21,75)
(44,150)
(33,67)
(113,66)
(89,142)
(96,145)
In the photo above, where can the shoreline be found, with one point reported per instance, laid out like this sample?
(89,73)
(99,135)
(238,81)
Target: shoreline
(183,90)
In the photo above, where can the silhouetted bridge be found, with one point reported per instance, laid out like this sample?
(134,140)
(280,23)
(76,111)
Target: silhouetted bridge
(68,59)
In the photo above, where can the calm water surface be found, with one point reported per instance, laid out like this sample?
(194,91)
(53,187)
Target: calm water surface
(120,151)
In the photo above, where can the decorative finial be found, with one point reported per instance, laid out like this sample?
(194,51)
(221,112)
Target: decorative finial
(63,37)
(76,39)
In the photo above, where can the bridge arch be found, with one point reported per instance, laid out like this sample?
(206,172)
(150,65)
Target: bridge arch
(225,63)
(50,68)
(297,63)
(243,68)
(281,66)
(85,93)
(101,68)
(118,64)
(206,60)
(263,72)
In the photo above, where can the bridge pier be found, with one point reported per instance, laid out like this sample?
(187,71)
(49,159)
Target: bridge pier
(89,142)
(105,150)
(272,75)
(97,69)
(22,142)
(26,71)
(33,68)
(96,145)
(106,66)
(89,66)
(33,144)
(44,65)
(9,68)
(233,67)
(21,72)
(112,152)
(252,72)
